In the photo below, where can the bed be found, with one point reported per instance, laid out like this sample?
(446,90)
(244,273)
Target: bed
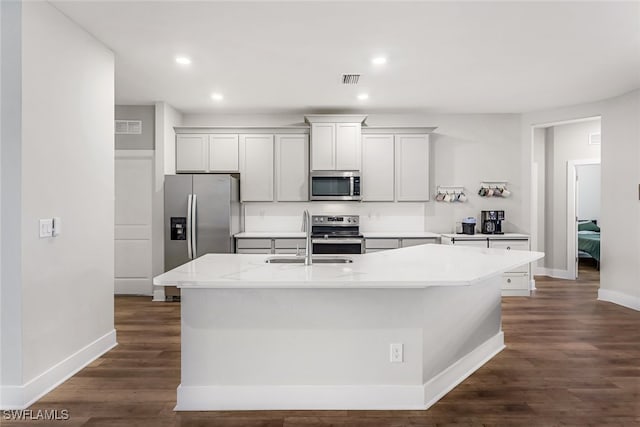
(589,240)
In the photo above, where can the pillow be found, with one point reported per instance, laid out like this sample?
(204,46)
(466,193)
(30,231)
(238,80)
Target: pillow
(588,226)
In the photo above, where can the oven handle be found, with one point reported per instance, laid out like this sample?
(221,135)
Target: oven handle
(339,241)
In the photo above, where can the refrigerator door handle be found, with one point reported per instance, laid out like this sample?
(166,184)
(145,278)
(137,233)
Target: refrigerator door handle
(189,227)
(194,235)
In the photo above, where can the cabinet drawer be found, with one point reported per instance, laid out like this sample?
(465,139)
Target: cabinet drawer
(382,243)
(254,243)
(515,281)
(288,251)
(510,245)
(290,243)
(415,242)
(254,251)
(475,243)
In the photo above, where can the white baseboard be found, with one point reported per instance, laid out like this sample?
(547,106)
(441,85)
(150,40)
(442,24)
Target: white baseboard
(553,272)
(158,294)
(444,382)
(619,298)
(21,397)
(133,287)
(339,397)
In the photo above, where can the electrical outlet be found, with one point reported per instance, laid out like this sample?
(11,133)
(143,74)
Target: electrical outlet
(397,353)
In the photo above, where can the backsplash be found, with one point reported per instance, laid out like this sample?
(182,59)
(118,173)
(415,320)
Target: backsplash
(282,216)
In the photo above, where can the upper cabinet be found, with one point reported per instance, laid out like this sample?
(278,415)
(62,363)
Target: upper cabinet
(378,168)
(207,153)
(223,153)
(336,141)
(256,168)
(191,153)
(412,167)
(292,168)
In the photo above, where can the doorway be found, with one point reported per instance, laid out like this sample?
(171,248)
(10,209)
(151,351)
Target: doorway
(558,149)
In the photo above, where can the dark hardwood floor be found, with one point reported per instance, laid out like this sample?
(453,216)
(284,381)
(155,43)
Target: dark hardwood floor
(570,360)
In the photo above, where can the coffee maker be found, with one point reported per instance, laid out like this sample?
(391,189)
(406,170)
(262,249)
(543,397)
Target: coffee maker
(491,222)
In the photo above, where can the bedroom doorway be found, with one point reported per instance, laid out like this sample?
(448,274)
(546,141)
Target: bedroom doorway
(583,216)
(557,149)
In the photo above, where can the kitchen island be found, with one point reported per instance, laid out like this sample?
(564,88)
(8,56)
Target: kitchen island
(391,330)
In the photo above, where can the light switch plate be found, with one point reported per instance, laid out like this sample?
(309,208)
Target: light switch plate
(46,228)
(57,226)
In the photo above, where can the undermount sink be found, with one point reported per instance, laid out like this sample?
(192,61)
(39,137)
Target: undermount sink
(315,259)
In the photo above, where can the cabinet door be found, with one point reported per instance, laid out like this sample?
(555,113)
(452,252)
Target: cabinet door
(256,168)
(512,245)
(323,146)
(191,153)
(223,153)
(377,168)
(292,168)
(475,243)
(348,146)
(412,168)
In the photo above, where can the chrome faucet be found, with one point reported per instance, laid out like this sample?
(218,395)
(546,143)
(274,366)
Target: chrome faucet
(306,226)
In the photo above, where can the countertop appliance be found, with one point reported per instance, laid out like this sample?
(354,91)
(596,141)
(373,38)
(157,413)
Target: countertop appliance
(202,213)
(336,234)
(469,225)
(491,222)
(334,185)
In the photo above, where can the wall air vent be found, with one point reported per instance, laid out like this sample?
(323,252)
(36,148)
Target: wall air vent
(128,127)
(594,138)
(350,79)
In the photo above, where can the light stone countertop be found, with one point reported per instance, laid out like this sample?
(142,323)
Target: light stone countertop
(414,267)
(366,234)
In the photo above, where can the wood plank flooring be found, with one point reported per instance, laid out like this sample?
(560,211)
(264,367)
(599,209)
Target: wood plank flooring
(570,360)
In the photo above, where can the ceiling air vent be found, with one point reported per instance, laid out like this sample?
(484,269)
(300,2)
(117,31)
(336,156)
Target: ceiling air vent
(128,127)
(594,138)
(350,79)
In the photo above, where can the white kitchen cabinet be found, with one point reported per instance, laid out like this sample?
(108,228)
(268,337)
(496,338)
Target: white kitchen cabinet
(378,168)
(191,153)
(223,153)
(292,168)
(515,282)
(256,168)
(412,167)
(336,146)
(323,147)
(348,146)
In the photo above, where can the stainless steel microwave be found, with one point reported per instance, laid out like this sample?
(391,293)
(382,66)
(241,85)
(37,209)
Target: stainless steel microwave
(334,185)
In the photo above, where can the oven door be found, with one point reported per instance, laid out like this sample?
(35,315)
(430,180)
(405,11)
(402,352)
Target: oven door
(337,246)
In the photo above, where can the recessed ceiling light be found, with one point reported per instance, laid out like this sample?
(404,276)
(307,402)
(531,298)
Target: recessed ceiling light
(217,96)
(363,96)
(183,60)
(379,60)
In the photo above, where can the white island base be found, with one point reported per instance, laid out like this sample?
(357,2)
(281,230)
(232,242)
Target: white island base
(259,336)
(330,348)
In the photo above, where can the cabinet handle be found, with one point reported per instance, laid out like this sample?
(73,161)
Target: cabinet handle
(508,280)
(508,248)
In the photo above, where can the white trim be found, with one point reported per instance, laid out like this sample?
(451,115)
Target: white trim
(133,286)
(553,272)
(21,397)
(532,285)
(158,294)
(123,154)
(566,122)
(329,397)
(620,298)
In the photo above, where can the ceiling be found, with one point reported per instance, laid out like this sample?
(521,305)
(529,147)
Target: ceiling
(477,57)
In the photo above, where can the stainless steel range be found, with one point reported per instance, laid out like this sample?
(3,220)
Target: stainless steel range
(336,234)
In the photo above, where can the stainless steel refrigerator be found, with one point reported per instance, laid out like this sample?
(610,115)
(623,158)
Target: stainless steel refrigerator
(202,213)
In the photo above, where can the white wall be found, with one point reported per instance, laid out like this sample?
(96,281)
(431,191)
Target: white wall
(465,150)
(620,168)
(67,171)
(589,191)
(10,196)
(563,143)
(144,140)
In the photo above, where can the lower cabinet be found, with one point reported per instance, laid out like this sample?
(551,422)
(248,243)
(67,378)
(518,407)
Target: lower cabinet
(270,246)
(253,246)
(515,282)
(380,244)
